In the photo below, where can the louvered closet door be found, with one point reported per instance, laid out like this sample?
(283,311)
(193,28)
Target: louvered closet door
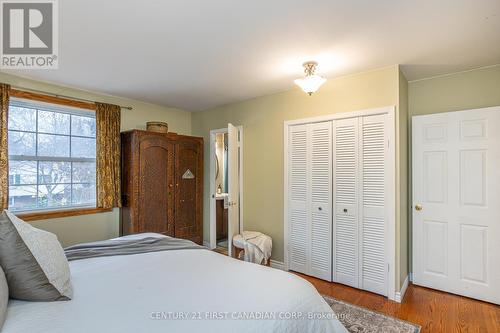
(373,153)
(298,221)
(309,204)
(345,234)
(320,201)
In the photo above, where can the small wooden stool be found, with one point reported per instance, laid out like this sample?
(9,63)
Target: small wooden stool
(236,252)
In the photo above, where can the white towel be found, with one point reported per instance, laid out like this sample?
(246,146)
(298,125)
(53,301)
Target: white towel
(258,247)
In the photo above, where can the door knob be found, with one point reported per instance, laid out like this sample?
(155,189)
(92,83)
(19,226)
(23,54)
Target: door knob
(418,207)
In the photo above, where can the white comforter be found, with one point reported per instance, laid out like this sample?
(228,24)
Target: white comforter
(177,291)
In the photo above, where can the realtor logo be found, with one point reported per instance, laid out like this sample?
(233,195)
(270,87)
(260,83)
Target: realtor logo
(29,34)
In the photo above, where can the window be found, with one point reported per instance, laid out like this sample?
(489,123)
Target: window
(52,156)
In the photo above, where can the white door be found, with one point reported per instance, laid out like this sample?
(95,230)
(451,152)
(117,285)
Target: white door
(456,202)
(309,199)
(233,218)
(346,196)
(320,202)
(361,210)
(298,212)
(373,205)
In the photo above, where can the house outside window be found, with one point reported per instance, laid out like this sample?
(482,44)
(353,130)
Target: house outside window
(52,156)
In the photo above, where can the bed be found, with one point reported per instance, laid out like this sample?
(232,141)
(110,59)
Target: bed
(188,290)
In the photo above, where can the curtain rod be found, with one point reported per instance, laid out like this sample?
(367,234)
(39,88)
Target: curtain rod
(63,96)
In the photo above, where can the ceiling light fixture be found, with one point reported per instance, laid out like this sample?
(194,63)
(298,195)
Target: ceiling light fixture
(311,83)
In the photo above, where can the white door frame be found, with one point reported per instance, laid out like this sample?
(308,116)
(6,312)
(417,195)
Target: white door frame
(212,204)
(391,199)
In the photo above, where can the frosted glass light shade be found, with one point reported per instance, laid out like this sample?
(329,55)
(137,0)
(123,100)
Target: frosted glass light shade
(311,83)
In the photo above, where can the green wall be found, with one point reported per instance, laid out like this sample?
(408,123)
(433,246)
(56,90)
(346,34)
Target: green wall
(402,175)
(85,228)
(263,120)
(460,91)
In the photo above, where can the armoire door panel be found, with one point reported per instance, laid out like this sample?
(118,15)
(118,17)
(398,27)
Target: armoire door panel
(187,189)
(156,173)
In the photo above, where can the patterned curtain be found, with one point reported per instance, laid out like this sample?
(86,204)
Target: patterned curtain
(108,155)
(4,155)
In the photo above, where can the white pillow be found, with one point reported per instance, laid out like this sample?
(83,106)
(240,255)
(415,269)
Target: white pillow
(34,262)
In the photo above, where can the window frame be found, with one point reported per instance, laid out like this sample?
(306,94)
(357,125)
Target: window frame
(56,104)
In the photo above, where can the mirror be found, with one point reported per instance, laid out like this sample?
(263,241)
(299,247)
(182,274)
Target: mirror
(221,163)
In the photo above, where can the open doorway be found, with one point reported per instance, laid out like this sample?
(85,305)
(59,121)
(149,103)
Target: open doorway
(221,191)
(226,210)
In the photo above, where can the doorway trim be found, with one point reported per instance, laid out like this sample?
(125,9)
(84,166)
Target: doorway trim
(390,231)
(212,201)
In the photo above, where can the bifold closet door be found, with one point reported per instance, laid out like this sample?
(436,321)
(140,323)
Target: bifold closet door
(372,205)
(298,221)
(360,214)
(309,203)
(346,196)
(321,200)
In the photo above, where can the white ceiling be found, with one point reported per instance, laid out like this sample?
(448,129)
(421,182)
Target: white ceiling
(196,54)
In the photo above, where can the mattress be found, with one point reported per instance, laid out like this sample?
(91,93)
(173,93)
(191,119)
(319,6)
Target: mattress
(193,290)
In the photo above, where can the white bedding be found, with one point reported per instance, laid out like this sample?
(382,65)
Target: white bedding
(151,292)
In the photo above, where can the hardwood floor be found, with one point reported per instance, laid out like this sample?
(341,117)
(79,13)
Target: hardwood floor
(221,250)
(434,310)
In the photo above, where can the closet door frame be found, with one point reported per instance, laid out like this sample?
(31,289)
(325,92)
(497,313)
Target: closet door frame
(391,184)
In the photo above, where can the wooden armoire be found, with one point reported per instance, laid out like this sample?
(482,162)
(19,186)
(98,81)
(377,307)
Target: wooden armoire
(162,184)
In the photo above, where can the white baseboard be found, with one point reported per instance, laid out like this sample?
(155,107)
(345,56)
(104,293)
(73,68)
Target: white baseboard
(400,295)
(206,244)
(278,264)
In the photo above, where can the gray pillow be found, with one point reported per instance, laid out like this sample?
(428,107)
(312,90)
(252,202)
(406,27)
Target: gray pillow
(4,297)
(33,261)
